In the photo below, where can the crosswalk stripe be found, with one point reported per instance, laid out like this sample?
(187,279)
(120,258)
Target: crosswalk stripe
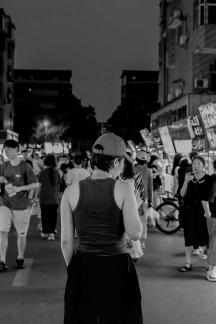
(22,276)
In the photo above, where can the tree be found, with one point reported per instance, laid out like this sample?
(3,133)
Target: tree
(47,131)
(73,122)
(127,122)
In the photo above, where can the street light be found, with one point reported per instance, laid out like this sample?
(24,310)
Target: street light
(46,124)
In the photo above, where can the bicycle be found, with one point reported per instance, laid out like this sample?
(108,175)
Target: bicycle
(169,211)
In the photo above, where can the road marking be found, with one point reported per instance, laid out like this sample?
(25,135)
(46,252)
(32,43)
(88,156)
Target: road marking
(22,275)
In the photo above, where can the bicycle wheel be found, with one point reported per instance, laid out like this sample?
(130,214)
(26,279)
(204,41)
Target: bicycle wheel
(168,222)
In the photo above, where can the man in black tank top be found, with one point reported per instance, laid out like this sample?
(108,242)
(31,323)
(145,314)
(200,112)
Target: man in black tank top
(102,285)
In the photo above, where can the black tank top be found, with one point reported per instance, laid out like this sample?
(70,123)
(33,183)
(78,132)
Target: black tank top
(98,220)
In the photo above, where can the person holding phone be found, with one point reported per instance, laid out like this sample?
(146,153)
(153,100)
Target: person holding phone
(195,189)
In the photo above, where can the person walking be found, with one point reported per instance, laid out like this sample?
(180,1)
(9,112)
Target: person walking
(156,167)
(102,285)
(18,179)
(49,197)
(174,172)
(142,169)
(78,173)
(210,214)
(194,190)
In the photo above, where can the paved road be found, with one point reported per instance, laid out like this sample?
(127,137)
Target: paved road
(35,295)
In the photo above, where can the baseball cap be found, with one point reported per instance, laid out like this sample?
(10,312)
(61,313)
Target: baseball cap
(112,145)
(11,143)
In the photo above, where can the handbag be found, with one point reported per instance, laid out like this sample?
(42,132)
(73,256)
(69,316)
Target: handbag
(35,209)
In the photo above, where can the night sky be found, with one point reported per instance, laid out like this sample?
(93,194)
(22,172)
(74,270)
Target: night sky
(97,39)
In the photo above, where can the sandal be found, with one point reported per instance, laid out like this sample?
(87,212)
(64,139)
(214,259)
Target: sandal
(3,266)
(186,268)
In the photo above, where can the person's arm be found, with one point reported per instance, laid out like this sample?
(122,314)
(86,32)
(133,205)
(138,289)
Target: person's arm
(150,187)
(69,177)
(67,227)
(132,222)
(3,179)
(31,180)
(206,208)
(183,190)
(28,187)
(175,185)
(208,196)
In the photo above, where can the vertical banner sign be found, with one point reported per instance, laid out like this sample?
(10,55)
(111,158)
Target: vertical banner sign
(147,138)
(132,146)
(167,140)
(208,116)
(197,134)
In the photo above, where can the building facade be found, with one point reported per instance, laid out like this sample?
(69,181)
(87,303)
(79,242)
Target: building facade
(139,98)
(139,89)
(7,46)
(187,59)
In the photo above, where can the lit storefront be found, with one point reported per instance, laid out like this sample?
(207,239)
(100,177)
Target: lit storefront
(192,133)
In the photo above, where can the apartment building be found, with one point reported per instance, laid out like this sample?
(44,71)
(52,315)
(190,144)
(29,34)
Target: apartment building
(7,46)
(187,60)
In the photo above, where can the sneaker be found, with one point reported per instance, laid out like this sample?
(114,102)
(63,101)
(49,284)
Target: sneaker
(44,235)
(20,263)
(203,256)
(51,237)
(3,266)
(135,259)
(210,276)
(196,252)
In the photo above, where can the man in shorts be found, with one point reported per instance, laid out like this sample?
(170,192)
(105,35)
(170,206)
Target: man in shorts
(17,179)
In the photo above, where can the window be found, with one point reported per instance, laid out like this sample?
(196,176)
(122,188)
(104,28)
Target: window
(10,74)
(211,11)
(204,12)
(201,12)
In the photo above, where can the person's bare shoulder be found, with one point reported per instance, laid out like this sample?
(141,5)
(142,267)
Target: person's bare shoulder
(71,193)
(124,186)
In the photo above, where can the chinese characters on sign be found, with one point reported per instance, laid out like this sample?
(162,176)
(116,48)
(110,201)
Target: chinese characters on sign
(208,115)
(147,138)
(197,134)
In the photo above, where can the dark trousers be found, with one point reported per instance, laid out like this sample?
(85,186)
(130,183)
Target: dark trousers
(102,290)
(49,215)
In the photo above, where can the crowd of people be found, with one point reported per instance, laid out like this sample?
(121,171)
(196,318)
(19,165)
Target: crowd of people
(104,201)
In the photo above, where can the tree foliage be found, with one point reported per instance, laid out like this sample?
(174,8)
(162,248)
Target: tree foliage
(128,122)
(69,120)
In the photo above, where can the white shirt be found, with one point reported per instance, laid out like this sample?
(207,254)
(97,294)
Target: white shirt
(76,175)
